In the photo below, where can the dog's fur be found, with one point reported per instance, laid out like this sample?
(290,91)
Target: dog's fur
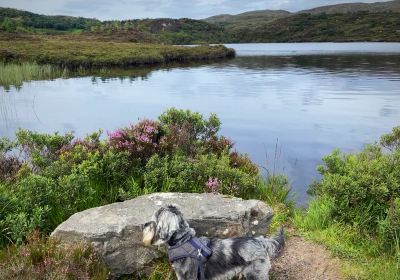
(248,257)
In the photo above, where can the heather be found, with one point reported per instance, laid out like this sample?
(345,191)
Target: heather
(45,178)
(41,258)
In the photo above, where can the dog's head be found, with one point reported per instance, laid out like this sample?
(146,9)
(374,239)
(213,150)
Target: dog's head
(166,223)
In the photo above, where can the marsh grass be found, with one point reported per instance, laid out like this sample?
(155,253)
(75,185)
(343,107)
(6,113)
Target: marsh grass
(15,74)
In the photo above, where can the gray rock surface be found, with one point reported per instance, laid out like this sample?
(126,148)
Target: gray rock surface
(115,230)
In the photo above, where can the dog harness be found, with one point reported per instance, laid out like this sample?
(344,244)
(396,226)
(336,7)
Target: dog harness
(193,248)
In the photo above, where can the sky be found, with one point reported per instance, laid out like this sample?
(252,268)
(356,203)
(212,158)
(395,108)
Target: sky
(130,9)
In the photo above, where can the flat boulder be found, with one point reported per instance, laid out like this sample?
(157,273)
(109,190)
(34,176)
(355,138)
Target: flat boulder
(115,230)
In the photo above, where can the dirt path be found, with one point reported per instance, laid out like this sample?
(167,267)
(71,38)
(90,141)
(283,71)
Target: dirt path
(304,260)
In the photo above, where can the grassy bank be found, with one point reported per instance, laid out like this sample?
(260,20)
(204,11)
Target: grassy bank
(361,256)
(356,210)
(74,53)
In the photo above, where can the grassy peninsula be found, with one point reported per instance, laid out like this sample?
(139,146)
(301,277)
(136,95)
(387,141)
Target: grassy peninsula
(83,53)
(34,57)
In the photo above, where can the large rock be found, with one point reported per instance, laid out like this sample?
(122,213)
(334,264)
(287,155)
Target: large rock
(115,230)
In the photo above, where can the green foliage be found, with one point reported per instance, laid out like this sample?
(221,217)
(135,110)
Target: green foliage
(187,131)
(34,21)
(8,25)
(391,140)
(357,208)
(319,215)
(40,149)
(58,175)
(179,173)
(55,176)
(365,188)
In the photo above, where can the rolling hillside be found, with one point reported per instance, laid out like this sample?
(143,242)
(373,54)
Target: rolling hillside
(378,7)
(248,19)
(350,27)
(337,23)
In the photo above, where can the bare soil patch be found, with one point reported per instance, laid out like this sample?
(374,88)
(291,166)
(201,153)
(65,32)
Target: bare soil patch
(304,260)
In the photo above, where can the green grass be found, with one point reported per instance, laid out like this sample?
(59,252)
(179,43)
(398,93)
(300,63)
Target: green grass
(81,53)
(361,256)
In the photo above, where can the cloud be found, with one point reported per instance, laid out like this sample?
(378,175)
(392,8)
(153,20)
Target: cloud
(128,9)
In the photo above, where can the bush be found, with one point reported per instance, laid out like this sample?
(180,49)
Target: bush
(364,189)
(45,178)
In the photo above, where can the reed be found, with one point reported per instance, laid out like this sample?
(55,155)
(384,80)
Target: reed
(15,74)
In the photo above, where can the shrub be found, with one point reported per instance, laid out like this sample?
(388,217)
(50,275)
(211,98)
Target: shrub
(40,150)
(141,141)
(187,131)
(171,173)
(48,177)
(364,189)
(9,167)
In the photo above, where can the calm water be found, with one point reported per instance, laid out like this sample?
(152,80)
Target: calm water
(304,99)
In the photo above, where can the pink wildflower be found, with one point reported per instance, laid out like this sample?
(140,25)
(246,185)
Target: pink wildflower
(213,185)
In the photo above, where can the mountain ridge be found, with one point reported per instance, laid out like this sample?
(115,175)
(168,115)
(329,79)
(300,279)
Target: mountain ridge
(352,7)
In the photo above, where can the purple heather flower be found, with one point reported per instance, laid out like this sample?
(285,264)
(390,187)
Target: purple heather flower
(212,185)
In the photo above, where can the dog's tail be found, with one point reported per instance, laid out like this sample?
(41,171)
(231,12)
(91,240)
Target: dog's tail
(276,243)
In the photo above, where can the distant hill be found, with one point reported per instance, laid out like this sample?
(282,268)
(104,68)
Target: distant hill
(343,22)
(347,27)
(13,19)
(378,7)
(247,19)
(161,30)
(336,23)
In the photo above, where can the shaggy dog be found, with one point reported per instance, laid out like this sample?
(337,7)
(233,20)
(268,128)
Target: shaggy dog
(248,257)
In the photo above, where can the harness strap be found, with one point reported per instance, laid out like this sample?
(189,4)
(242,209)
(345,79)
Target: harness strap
(193,248)
(204,250)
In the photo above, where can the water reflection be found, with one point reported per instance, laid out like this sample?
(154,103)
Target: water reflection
(309,105)
(386,65)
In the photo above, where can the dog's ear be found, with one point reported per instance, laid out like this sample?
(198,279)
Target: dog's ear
(174,209)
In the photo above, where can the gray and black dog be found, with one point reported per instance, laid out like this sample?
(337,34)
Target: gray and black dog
(242,257)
